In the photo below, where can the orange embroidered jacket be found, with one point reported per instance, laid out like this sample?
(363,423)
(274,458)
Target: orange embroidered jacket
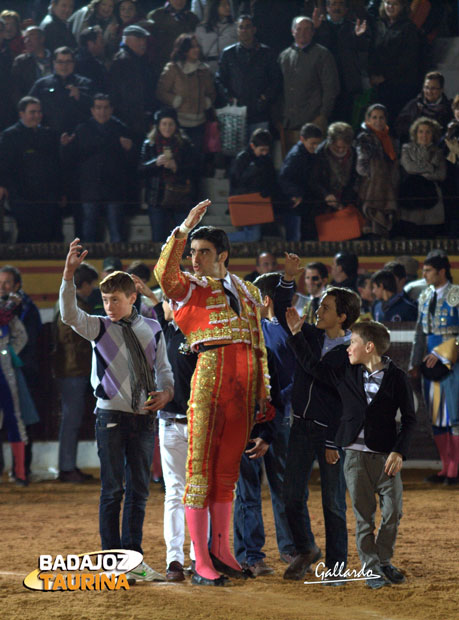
(204,314)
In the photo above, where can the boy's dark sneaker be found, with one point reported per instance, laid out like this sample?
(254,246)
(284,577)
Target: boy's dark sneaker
(393,574)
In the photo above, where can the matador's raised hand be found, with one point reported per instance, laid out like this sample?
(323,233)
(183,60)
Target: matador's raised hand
(194,217)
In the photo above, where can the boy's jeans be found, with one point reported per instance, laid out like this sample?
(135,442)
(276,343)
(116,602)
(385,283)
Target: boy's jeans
(125,444)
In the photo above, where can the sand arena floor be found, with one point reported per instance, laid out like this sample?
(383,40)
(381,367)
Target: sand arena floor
(56,518)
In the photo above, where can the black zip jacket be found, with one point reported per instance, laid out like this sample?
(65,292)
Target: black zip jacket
(312,399)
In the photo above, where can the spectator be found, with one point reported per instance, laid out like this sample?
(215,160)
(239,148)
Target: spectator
(89,58)
(451,144)
(316,281)
(390,306)
(399,271)
(248,74)
(127,13)
(169,22)
(335,177)
(344,270)
(65,96)
(311,82)
(200,8)
(397,59)
(6,60)
(146,299)
(364,289)
(186,84)
(422,213)
(72,368)
(216,32)
(13,337)
(266,263)
(56,25)
(29,315)
(165,160)
(133,82)
(378,169)
(296,183)
(253,172)
(13,35)
(430,103)
(34,64)
(95,13)
(30,176)
(101,148)
(349,43)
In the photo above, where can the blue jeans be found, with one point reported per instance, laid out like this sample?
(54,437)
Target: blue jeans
(292,224)
(249,533)
(91,210)
(247,233)
(307,443)
(162,221)
(73,392)
(125,444)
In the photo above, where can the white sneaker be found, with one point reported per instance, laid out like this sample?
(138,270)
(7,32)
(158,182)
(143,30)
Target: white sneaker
(143,572)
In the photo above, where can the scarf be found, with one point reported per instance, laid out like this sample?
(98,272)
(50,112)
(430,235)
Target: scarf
(385,139)
(140,375)
(173,144)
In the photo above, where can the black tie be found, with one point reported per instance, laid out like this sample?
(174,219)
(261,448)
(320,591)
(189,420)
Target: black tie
(315,304)
(233,300)
(433,303)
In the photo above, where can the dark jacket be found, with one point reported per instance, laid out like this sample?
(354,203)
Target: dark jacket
(133,86)
(29,314)
(62,112)
(155,177)
(398,308)
(29,163)
(251,174)
(345,45)
(247,74)
(311,398)
(398,52)
(103,162)
(295,175)
(376,418)
(92,68)
(7,112)
(57,33)
(182,363)
(167,26)
(25,72)
(417,107)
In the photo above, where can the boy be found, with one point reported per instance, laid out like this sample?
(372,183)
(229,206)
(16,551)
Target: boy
(132,379)
(253,172)
(270,439)
(294,180)
(316,414)
(390,306)
(372,389)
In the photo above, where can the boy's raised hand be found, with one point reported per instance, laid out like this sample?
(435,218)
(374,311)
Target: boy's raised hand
(294,321)
(292,266)
(75,257)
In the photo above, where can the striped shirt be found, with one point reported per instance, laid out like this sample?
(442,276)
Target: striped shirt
(371,384)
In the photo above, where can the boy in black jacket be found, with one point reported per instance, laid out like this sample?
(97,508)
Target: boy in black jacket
(372,389)
(316,414)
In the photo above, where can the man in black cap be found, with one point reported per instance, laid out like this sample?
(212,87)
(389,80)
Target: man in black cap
(133,83)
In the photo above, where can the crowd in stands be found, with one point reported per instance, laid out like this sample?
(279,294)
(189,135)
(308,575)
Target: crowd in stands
(115,95)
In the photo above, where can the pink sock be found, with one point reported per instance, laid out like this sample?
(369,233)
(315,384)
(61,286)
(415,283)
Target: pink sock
(220,515)
(18,449)
(443,446)
(197,521)
(453,464)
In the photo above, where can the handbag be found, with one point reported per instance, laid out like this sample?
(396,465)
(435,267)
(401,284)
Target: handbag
(340,225)
(212,139)
(250,209)
(233,128)
(177,195)
(416,192)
